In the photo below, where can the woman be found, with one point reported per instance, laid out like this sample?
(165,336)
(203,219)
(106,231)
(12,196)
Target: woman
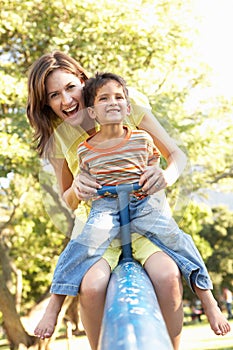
(56,112)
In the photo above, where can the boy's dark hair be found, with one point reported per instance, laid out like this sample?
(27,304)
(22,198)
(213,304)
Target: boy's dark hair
(93,84)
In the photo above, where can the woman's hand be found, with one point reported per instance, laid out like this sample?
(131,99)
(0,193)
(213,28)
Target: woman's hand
(84,186)
(153,179)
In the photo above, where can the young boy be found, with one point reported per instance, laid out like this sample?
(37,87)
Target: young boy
(115,155)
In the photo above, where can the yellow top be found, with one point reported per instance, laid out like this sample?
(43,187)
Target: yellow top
(67,138)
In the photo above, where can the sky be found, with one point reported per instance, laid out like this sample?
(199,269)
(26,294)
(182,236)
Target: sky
(216,41)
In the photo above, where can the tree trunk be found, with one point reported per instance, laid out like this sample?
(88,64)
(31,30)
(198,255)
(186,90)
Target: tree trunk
(13,327)
(16,334)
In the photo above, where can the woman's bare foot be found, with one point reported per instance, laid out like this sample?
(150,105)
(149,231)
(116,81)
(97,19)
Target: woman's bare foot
(217,320)
(47,324)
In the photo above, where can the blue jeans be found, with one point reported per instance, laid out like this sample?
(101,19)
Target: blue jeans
(103,226)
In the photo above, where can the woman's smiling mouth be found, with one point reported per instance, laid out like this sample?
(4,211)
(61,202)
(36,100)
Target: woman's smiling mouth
(70,111)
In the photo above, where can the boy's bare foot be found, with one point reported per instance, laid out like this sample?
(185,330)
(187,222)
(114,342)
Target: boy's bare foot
(46,326)
(217,320)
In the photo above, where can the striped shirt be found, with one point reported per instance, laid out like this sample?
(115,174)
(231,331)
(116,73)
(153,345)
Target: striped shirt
(123,163)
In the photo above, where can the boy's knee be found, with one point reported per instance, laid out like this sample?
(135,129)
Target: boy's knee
(91,289)
(169,277)
(95,282)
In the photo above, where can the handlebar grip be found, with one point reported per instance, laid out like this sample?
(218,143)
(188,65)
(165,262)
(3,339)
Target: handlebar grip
(119,188)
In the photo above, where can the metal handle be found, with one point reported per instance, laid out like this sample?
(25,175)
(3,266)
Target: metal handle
(123,192)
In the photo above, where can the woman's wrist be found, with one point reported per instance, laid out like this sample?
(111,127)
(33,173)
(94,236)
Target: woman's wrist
(176,165)
(70,197)
(170,176)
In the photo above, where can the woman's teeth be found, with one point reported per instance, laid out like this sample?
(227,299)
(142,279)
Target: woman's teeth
(71,109)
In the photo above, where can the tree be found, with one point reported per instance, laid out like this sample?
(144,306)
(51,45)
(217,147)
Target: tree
(219,234)
(155,53)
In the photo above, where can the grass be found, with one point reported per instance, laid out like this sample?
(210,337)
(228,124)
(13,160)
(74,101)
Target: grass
(197,336)
(201,337)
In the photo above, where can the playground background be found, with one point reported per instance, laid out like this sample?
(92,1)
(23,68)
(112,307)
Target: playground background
(178,53)
(194,337)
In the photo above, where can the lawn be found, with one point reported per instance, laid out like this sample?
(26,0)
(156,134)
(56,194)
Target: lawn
(201,337)
(194,337)
(198,336)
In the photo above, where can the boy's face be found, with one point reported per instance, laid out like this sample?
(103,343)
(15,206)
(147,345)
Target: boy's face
(110,104)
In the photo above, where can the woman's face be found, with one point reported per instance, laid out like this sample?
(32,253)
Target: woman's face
(64,95)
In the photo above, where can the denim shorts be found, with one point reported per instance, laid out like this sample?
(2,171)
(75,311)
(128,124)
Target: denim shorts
(148,218)
(142,249)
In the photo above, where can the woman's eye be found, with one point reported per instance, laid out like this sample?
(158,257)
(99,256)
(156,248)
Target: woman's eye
(70,87)
(73,86)
(54,95)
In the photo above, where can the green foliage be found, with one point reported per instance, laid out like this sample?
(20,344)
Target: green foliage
(150,43)
(30,237)
(16,153)
(219,234)
(192,221)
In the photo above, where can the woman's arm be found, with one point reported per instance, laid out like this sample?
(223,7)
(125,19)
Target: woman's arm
(73,190)
(175,157)
(65,182)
